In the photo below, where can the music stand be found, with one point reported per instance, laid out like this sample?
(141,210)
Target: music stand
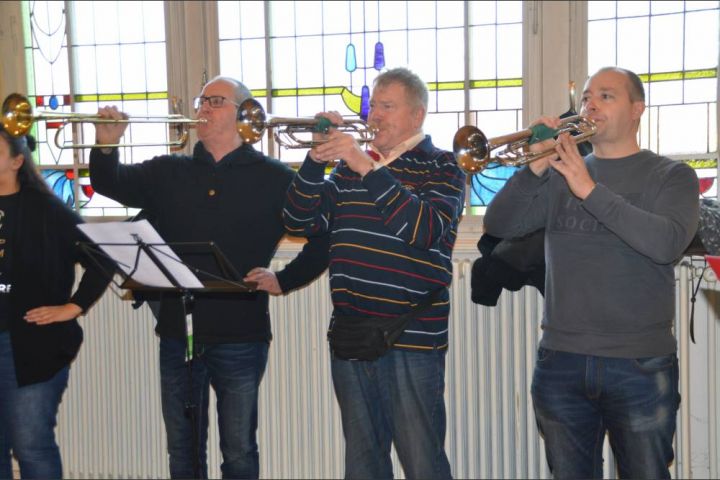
(148,264)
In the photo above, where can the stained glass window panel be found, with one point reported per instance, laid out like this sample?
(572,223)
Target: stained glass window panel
(701,40)
(483,98)
(421,15)
(633,31)
(509,41)
(509,98)
(311,10)
(509,11)
(483,48)
(282,18)
(598,10)
(628,8)
(666,38)
(451,63)
(675,52)
(666,93)
(423,54)
(112,65)
(396,47)
(450,14)
(284,64)
(672,120)
(700,5)
(326,54)
(310,71)
(601,52)
(447,101)
(252,19)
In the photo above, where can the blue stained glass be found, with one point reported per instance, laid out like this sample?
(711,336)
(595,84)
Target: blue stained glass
(350,60)
(61,185)
(365,102)
(54,102)
(379,56)
(488,182)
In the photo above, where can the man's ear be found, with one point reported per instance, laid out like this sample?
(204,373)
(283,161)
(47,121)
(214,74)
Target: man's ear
(637,110)
(419,117)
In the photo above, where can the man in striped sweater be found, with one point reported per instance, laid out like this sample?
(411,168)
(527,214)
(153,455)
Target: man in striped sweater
(393,213)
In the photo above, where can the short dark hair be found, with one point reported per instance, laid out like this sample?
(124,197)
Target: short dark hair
(416,89)
(636,90)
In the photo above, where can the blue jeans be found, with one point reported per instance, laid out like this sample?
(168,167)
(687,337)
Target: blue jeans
(578,398)
(397,398)
(28,416)
(234,371)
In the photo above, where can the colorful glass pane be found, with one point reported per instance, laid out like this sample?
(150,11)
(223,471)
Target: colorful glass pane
(326,55)
(111,65)
(675,52)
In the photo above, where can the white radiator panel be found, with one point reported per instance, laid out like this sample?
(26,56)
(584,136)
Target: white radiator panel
(110,423)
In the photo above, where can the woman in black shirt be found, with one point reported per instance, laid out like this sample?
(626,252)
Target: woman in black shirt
(39,333)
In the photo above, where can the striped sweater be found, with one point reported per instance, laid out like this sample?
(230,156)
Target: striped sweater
(392,235)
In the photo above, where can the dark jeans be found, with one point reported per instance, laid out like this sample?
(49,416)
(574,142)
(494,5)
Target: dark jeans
(28,416)
(234,371)
(578,398)
(397,398)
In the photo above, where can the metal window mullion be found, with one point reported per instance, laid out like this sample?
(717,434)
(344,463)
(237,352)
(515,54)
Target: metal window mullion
(717,116)
(466,89)
(272,145)
(73,79)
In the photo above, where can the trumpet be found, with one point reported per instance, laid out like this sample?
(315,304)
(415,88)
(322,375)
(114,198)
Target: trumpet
(474,151)
(252,123)
(18,119)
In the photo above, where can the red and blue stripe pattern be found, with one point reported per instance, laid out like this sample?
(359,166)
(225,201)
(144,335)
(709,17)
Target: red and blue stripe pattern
(393,232)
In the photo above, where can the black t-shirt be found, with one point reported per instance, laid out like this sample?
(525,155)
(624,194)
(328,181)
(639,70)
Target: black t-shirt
(8,219)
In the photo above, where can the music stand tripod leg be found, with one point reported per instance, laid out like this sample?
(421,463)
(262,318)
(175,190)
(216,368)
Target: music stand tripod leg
(191,408)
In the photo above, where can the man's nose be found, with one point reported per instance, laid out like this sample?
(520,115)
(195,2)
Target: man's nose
(589,106)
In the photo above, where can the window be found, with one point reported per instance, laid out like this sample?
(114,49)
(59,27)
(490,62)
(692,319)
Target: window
(325,55)
(675,53)
(299,58)
(92,62)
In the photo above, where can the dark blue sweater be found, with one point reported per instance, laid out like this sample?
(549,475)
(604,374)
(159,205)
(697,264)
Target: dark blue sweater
(237,203)
(393,233)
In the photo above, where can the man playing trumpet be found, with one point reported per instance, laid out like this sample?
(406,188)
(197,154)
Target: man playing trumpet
(393,214)
(615,224)
(231,194)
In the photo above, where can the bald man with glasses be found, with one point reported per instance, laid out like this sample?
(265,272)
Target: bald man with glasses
(231,194)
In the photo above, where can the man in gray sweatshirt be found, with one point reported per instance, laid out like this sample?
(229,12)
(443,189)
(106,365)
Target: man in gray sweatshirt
(615,224)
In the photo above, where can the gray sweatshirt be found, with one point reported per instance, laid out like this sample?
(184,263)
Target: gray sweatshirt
(610,280)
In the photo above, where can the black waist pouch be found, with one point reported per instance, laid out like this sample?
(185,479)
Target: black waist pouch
(369,338)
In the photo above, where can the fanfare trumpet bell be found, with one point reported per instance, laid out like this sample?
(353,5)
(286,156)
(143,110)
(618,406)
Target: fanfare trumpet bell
(474,151)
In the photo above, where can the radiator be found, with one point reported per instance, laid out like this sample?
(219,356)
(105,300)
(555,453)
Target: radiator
(110,423)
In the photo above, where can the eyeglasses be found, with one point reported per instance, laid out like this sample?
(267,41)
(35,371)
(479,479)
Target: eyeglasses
(215,101)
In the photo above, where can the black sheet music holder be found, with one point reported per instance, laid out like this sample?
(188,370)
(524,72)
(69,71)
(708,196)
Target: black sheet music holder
(229,282)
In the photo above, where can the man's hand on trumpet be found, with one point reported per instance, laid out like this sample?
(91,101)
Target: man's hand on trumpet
(567,160)
(539,166)
(338,145)
(571,165)
(110,133)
